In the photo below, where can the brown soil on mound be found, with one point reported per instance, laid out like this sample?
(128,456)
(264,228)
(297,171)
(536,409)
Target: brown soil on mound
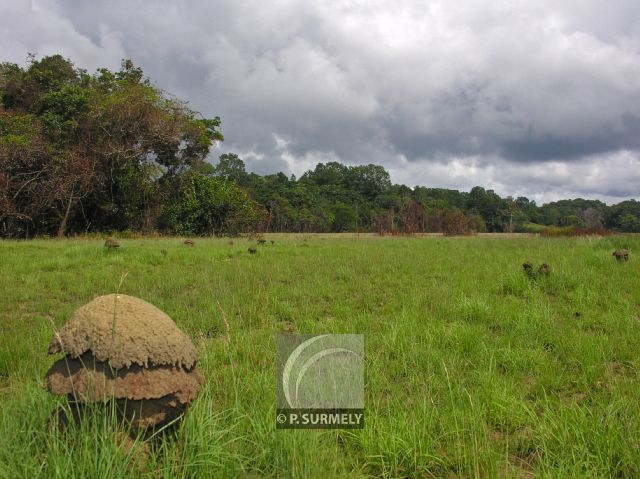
(124,331)
(86,379)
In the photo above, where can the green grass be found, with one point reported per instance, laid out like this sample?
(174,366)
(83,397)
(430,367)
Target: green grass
(472,369)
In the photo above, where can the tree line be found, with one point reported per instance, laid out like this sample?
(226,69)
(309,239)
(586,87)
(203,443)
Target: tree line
(109,151)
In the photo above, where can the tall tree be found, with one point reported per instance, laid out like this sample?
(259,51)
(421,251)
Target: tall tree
(108,149)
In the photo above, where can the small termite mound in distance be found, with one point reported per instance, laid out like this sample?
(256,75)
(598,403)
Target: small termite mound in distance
(532,273)
(544,269)
(111,243)
(621,254)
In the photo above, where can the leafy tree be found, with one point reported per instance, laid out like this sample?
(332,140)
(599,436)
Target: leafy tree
(344,218)
(368,180)
(624,216)
(629,223)
(571,220)
(455,222)
(593,218)
(231,167)
(553,213)
(442,196)
(488,205)
(209,206)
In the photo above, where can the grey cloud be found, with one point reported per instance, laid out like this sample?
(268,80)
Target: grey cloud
(420,87)
(264,165)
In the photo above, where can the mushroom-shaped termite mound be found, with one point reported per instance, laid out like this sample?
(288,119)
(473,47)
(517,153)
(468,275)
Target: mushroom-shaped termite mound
(123,330)
(122,348)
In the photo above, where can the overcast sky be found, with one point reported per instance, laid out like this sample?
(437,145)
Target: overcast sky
(529,97)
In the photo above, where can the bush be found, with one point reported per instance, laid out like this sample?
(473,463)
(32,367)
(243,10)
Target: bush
(210,206)
(530,228)
(457,223)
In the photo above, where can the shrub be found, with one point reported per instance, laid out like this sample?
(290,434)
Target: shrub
(210,206)
(530,228)
(457,223)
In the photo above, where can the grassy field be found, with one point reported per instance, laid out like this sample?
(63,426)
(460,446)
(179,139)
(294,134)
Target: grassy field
(472,369)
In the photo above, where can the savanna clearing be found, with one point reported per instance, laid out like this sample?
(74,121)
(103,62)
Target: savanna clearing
(472,368)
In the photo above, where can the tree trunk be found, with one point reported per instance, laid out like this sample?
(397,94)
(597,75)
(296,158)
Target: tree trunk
(65,219)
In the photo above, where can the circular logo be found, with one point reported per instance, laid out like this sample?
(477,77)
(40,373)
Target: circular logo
(323,372)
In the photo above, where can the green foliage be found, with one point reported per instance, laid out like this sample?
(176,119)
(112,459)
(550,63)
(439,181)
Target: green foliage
(231,167)
(62,110)
(209,206)
(624,216)
(18,129)
(571,220)
(530,228)
(556,212)
(93,151)
(488,204)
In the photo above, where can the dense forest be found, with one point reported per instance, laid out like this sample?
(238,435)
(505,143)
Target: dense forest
(109,151)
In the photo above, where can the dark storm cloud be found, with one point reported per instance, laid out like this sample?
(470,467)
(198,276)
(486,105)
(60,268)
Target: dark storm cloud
(520,96)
